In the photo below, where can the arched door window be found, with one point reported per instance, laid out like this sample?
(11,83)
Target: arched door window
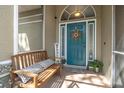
(73,12)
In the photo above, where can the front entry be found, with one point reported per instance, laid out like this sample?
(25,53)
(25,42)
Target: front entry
(76,44)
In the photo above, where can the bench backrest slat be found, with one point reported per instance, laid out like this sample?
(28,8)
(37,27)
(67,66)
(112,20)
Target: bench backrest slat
(23,60)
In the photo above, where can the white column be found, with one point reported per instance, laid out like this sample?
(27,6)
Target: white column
(15,33)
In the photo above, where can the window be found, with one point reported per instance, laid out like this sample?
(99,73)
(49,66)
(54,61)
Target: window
(30,28)
(74,12)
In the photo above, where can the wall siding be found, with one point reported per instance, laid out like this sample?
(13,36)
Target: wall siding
(50,30)
(6,31)
(106,22)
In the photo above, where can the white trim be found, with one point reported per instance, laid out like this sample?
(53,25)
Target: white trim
(66,42)
(30,22)
(35,15)
(44,25)
(78,21)
(95,37)
(113,48)
(118,52)
(94,40)
(89,18)
(15,37)
(86,43)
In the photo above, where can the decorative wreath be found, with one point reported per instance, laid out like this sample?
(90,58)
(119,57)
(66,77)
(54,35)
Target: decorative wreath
(76,34)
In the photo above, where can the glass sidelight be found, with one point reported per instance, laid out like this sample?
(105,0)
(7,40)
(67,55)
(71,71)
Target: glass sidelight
(62,40)
(91,41)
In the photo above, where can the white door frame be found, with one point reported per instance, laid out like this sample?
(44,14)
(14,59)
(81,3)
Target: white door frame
(87,20)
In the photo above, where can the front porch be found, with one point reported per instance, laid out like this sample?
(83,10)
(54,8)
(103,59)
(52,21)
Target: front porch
(92,30)
(77,78)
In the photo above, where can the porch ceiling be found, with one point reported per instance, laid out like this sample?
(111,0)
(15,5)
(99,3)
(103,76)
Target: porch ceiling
(23,8)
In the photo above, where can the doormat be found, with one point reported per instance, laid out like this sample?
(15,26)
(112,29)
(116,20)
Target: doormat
(73,70)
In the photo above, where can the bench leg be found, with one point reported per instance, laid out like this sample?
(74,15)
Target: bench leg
(59,72)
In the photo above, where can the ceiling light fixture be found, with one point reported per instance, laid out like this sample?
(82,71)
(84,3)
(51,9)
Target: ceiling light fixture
(77,14)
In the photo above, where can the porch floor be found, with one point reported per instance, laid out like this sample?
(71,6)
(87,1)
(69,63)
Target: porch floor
(77,78)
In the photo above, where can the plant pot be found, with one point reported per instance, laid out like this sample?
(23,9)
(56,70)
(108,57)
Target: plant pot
(97,69)
(91,68)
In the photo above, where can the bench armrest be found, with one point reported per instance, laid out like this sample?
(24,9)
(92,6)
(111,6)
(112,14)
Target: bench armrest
(27,73)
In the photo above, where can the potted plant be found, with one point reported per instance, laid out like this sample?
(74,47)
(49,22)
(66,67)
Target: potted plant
(95,65)
(99,65)
(63,61)
(91,65)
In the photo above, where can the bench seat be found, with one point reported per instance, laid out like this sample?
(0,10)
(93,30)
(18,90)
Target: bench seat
(43,76)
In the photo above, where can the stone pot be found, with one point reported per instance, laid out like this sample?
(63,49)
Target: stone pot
(97,69)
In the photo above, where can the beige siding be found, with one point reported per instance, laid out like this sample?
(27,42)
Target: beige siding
(98,32)
(50,29)
(106,22)
(59,9)
(6,32)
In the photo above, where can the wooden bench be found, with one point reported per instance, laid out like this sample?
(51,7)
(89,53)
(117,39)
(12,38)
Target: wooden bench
(24,60)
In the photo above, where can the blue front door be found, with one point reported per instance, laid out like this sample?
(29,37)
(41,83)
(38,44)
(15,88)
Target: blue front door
(76,44)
